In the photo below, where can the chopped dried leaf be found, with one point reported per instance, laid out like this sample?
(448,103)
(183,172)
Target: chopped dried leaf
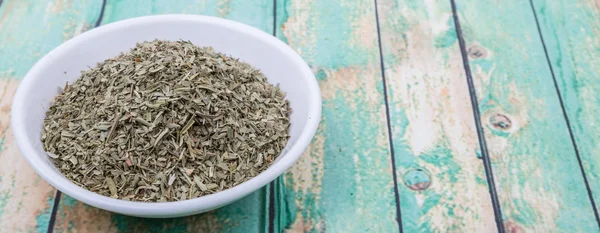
(166,121)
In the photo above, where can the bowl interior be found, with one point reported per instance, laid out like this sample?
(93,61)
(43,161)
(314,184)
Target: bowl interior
(64,64)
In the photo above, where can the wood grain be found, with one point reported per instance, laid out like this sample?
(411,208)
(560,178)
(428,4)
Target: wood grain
(28,30)
(571,31)
(246,215)
(441,180)
(343,182)
(538,178)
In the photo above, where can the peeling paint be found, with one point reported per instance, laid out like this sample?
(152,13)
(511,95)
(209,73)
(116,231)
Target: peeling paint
(21,202)
(224,7)
(530,159)
(432,122)
(571,32)
(343,182)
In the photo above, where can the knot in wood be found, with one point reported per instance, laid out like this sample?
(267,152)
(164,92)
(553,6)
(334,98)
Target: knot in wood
(417,179)
(511,227)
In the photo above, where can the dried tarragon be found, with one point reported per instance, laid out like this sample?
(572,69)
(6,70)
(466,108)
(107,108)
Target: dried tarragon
(166,121)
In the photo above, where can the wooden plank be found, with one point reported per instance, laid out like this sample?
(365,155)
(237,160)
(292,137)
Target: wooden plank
(246,215)
(571,32)
(28,30)
(258,14)
(441,180)
(538,177)
(343,182)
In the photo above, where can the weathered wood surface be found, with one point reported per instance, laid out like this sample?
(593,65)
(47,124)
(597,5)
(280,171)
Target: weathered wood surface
(441,180)
(413,117)
(343,182)
(571,32)
(538,177)
(28,30)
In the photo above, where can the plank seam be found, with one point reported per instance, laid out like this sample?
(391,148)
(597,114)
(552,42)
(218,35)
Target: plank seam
(54,211)
(271,210)
(271,226)
(476,114)
(99,20)
(388,121)
(271,223)
(565,115)
(274,18)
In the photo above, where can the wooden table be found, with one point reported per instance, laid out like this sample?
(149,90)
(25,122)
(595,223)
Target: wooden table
(438,116)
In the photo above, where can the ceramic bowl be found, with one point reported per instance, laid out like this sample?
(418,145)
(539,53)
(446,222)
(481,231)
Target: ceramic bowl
(280,64)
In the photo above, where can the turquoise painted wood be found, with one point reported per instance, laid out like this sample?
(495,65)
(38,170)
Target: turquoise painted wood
(538,178)
(571,32)
(28,30)
(441,180)
(343,183)
(248,214)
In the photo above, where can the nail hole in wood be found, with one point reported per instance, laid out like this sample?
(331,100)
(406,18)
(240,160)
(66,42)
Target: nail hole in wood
(476,52)
(500,121)
(417,179)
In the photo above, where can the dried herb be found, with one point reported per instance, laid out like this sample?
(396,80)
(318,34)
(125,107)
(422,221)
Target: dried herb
(166,121)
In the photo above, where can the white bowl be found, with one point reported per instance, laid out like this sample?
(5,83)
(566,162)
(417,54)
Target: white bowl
(280,64)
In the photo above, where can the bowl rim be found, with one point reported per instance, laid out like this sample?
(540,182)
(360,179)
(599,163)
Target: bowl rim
(165,209)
